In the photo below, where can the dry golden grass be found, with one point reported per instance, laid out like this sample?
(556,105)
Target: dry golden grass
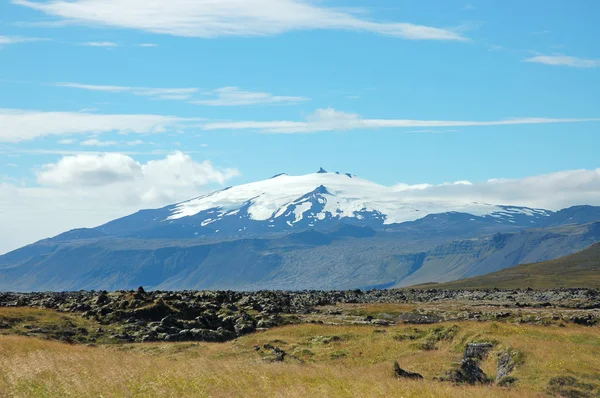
(357,363)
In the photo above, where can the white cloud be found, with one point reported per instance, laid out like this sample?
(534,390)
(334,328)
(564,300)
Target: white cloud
(224,96)
(209,18)
(564,60)
(158,93)
(552,191)
(234,96)
(90,170)
(87,190)
(135,142)
(18,39)
(330,119)
(96,142)
(93,87)
(148,45)
(176,171)
(100,44)
(22,125)
(66,141)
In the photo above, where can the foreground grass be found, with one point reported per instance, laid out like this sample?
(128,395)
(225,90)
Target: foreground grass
(332,361)
(68,327)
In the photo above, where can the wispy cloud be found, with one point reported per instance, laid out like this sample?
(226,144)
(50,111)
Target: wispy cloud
(229,18)
(4,40)
(100,44)
(148,45)
(157,93)
(224,96)
(234,96)
(66,141)
(330,119)
(97,142)
(564,60)
(22,125)
(135,142)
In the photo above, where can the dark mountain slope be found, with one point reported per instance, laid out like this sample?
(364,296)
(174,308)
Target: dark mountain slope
(344,258)
(581,269)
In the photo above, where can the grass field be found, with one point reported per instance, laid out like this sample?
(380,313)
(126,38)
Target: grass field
(323,360)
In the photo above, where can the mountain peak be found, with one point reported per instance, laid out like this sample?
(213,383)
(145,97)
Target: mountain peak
(321,171)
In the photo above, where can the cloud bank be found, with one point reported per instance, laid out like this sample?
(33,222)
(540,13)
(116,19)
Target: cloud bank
(86,190)
(553,191)
(23,125)
(209,18)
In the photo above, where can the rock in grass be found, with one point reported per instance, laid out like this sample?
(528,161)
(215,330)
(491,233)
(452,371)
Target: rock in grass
(401,373)
(478,351)
(469,372)
(279,353)
(570,387)
(506,365)
(507,381)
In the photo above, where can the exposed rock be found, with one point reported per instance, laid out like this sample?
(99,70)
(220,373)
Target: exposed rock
(414,318)
(162,315)
(401,373)
(586,320)
(469,372)
(506,365)
(279,353)
(478,351)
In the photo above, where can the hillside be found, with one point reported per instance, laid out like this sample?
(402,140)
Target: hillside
(581,269)
(346,258)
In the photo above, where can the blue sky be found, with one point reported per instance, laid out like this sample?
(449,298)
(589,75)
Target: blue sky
(240,91)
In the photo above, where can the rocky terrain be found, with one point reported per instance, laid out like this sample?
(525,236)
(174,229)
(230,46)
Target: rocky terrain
(140,316)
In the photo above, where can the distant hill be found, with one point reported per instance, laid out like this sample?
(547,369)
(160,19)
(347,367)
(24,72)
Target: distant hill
(581,269)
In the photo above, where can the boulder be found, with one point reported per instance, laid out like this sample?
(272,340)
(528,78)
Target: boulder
(506,365)
(401,373)
(469,372)
(279,353)
(478,351)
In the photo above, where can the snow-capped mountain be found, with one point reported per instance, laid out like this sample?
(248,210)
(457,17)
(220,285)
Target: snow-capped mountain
(318,201)
(315,231)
